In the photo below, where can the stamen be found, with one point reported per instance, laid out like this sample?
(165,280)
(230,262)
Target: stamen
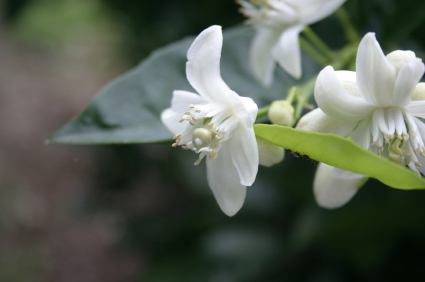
(177,136)
(194,119)
(181,120)
(191,106)
(215,155)
(416,152)
(381,149)
(174,145)
(204,117)
(198,161)
(374,143)
(191,122)
(414,133)
(422,154)
(223,141)
(185,147)
(186,113)
(418,164)
(198,110)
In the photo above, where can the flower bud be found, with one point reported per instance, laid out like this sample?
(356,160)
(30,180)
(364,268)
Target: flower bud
(269,154)
(281,112)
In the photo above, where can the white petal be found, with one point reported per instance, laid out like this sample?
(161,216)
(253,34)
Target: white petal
(287,51)
(244,153)
(224,181)
(349,82)
(332,191)
(269,154)
(182,99)
(171,120)
(362,135)
(243,107)
(318,121)
(375,74)
(312,11)
(416,108)
(407,79)
(336,102)
(261,59)
(203,66)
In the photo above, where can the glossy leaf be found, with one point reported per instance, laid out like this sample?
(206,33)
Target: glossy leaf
(342,153)
(128,109)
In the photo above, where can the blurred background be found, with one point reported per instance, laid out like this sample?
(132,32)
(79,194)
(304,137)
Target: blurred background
(139,212)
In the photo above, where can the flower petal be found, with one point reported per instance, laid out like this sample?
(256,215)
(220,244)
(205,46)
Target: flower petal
(375,74)
(335,101)
(362,135)
(243,107)
(416,108)
(287,51)
(244,153)
(224,181)
(312,11)
(269,154)
(203,66)
(261,59)
(182,99)
(407,79)
(419,92)
(318,121)
(171,120)
(332,191)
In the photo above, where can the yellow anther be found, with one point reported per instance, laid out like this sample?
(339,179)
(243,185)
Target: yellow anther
(174,145)
(198,161)
(418,164)
(185,147)
(186,113)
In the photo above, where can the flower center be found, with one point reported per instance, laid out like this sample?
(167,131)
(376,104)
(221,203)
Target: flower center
(206,127)
(397,128)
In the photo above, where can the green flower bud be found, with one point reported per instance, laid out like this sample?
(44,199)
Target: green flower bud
(281,112)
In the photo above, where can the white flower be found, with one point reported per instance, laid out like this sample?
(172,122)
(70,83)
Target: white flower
(217,123)
(380,102)
(279,23)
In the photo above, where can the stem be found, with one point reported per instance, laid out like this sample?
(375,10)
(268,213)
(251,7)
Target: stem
(263,111)
(312,36)
(347,26)
(313,53)
(292,94)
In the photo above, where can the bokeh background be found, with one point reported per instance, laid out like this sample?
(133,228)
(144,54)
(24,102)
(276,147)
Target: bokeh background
(143,212)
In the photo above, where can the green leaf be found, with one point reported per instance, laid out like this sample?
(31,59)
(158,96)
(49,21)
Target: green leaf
(342,153)
(128,109)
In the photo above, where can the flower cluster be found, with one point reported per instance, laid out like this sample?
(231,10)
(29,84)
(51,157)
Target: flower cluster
(379,104)
(278,24)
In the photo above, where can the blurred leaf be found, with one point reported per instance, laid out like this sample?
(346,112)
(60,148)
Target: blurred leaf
(128,109)
(342,153)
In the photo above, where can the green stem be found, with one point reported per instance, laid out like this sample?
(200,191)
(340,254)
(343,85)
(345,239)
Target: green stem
(350,31)
(313,53)
(263,111)
(292,94)
(312,36)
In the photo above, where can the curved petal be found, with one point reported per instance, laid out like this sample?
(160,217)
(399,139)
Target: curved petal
(375,74)
(318,121)
(224,182)
(243,107)
(349,82)
(416,108)
(336,102)
(260,54)
(244,153)
(203,66)
(269,154)
(287,51)
(332,191)
(362,135)
(171,120)
(312,11)
(407,79)
(182,99)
